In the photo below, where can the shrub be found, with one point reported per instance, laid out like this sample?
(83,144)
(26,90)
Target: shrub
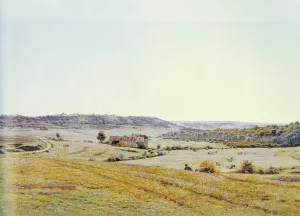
(261,171)
(272,170)
(195,149)
(230,159)
(142,146)
(168,148)
(247,167)
(115,142)
(208,147)
(208,167)
(158,146)
(112,158)
(160,153)
(177,147)
(120,157)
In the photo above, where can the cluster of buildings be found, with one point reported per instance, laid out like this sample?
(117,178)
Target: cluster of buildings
(134,140)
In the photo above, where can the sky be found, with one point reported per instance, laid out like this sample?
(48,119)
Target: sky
(174,59)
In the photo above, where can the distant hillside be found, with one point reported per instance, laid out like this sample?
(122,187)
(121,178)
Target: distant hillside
(83,121)
(211,125)
(266,136)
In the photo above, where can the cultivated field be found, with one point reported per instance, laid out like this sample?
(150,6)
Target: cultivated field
(46,186)
(64,181)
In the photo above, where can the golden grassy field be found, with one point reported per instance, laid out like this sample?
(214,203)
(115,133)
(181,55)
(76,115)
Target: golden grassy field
(39,185)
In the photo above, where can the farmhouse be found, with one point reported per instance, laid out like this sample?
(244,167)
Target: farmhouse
(134,140)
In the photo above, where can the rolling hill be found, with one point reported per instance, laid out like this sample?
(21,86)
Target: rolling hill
(211,125)
(79,121)
(264,136)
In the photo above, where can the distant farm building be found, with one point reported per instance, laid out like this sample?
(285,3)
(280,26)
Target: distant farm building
(134,140)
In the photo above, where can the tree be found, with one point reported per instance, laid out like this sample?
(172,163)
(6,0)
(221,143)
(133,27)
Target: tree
(101,136)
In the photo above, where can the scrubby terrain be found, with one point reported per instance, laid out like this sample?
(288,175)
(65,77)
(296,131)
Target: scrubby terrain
(266,136)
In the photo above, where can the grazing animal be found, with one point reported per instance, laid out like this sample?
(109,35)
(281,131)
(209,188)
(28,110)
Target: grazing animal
(187,167)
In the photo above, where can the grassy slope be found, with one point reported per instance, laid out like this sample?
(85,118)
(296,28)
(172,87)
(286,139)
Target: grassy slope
(48,186)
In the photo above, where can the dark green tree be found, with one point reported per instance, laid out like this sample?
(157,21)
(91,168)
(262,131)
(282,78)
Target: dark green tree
(101,136)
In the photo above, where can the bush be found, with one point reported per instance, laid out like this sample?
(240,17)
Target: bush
(115,142)
(160,153)
(261,171)
(168,148)
(177,147)
(112,158)
(120,157)
(195,149)
(230,159)
(144,154)
(212,153)
(208,167)
(158,146)
(142,146)
(272,170)
(247,167)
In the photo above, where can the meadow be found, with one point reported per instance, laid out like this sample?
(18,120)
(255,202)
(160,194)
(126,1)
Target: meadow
(45,186)
(64,181)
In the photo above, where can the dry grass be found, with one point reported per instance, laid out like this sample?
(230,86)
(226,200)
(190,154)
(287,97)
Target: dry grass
(67,187)
(54,186)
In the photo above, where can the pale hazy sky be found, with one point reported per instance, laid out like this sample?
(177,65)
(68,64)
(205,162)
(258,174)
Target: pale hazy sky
(177,60)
